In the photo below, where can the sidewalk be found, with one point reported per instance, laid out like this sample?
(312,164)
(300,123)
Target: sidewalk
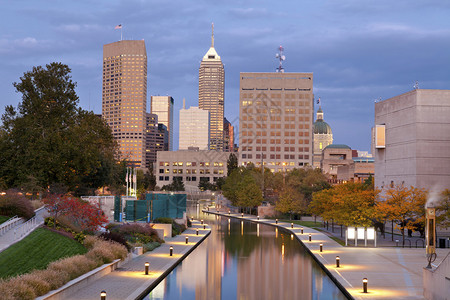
(392,273)
(21,230)
(130,282)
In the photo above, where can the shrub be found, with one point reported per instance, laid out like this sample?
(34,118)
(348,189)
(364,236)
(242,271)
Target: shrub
(115,237)
(118,250)
(39,285)
(74,266)
(163,220)
(17,289)
(79,237)
(101,252)
(151,246)
(14,203)
(89,241)
(54,278)
(129,229)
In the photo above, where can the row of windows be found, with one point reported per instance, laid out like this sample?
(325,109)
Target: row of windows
(191,171)
(274,133)
(274,126)
(188,178)
(274,141)
(274,118)
(274,156)
(278,149)
(193,164)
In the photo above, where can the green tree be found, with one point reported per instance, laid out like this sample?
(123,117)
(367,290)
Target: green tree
(248,192)
(232,163)
(229,187)
(50,138)
(290,202)
(176,185)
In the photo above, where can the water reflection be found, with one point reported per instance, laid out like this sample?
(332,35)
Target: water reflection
(246,261)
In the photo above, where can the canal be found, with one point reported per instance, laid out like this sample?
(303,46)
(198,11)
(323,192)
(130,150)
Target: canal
(244,260)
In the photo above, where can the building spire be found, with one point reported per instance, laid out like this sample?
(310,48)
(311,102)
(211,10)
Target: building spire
(212,35)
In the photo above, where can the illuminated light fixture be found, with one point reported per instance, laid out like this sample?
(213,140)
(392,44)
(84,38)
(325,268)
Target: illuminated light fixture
(258,217)
(242,215)
(364,285)
(147,265)
(321,247)
(309,237)
(197,231)
(292,237)
(204,226)
(171,251)
(301,230)
(276,221)
(192,218)
(102,295)
(292,225)
(229,212)
(187,239)
(202,222)
(338,263)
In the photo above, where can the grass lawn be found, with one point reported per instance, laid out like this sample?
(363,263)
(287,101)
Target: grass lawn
(36,251)
(3,219)
(311,224)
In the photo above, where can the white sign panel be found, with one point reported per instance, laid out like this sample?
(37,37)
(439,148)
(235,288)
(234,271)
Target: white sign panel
(371,233)
(360,233)
(351,233)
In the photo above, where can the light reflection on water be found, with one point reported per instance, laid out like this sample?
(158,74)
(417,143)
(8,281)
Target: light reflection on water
(246,261)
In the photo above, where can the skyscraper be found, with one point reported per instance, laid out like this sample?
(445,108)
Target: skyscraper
(156,139)
(194,128)
(276,114)
(163,107)
(124,97)
(211,92)
(228,136)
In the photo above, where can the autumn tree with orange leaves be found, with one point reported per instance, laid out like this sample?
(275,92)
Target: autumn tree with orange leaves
(349,204)
(404,206)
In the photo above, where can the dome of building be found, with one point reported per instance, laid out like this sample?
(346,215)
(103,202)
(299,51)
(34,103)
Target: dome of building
(322,127)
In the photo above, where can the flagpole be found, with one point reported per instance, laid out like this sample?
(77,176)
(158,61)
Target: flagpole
(121,28)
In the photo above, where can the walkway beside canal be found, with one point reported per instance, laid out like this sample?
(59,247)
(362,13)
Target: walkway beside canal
(392,272)
(130,282)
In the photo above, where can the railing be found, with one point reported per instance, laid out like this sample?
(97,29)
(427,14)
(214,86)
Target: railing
(423,243)
(11,223)
(409,241)
(25,228)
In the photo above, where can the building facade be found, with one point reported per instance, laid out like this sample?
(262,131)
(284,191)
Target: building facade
(228,136)
(333,157)
(276,120)
(323,136)
(163,107)
(156,139)
(211,93)
(191,166)
(194,129)
(412,140)
(124,97)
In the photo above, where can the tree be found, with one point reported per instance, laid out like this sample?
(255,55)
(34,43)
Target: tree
(405,206)
(291,202)
(232,163)
(176,185)
(443,210)
(248,192)
(81,213)
(229,188)
(204,185)
(50,138)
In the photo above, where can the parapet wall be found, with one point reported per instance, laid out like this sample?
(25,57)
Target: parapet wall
(436,281)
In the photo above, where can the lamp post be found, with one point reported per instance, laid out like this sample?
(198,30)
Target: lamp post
(147,265)
(187,240)
(364,285)
(321,247)
(301,230)
(292,225)
(197,231)
(103,295)
(204,226)
(309,237)
(276,221)
(202,222)
(338,262)
(258,218)
(170,251)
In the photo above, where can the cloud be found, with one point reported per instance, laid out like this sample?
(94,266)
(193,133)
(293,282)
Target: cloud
(249,12)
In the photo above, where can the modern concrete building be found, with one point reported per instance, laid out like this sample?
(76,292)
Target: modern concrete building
(124,97)
(228,136)
(211,93)
(323,136)
(191,165)
(156,139)
(334,156)
(276,120)
(194,128)
(357,171)
(163,107)
(412,140)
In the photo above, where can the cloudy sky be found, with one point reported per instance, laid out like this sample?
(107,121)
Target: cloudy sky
(358,50)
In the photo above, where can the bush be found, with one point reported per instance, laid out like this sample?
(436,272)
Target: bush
(90,241)
(17,289)
(151,246)
(115,237)
(54,278)
(129,229)
(14,203)
(74,266)
(39,285)
(163,220)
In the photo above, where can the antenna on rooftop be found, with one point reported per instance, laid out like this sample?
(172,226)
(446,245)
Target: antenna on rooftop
(416,85)
(281,58)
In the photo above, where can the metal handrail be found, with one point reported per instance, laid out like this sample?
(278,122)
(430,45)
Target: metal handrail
(407,240)
(423,243)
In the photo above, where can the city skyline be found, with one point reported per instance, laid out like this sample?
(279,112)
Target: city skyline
(358,52)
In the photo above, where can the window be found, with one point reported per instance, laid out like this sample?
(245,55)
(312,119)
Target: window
(161,170)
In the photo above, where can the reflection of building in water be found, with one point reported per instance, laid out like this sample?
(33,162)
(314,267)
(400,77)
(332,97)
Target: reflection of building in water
(267,274)
(204,270)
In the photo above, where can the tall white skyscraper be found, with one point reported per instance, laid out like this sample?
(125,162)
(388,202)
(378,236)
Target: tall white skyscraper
(163,107)
(194,128)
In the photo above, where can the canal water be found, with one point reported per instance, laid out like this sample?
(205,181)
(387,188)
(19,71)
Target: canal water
(244,260)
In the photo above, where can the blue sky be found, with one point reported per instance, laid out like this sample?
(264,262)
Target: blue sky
(358,50)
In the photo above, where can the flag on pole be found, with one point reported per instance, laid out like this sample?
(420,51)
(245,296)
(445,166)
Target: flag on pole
(318,101)
(118,26)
